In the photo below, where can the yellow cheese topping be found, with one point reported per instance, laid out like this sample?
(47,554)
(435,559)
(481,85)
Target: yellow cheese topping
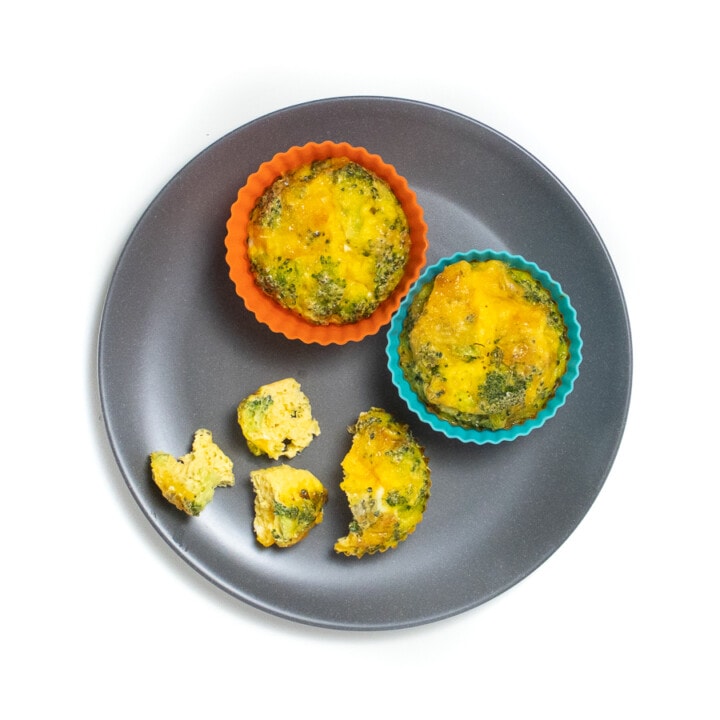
(386,478)
(277,420)
(288,504)
(484,345)
(329,241)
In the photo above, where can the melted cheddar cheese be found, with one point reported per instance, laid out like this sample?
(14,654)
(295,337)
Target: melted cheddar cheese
(328,241)
(386,478)
(484,345)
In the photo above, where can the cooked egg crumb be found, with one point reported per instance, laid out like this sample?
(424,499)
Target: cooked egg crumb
(189,482)
(277,420)
(288,504)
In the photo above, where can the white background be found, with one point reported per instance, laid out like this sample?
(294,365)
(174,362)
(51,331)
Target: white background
(103,104)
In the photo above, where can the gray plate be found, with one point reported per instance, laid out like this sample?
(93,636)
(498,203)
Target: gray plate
(178,351)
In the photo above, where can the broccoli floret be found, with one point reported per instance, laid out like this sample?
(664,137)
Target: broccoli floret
(268,209)
(280,281)
(358,178)
(330,289)
(502,389)
(389,268)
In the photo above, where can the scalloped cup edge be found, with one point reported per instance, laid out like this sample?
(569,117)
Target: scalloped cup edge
(267,310)
(484,437)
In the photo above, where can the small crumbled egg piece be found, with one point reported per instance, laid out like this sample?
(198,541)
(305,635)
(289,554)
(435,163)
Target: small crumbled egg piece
(288,504)
(277,420)
(189,482)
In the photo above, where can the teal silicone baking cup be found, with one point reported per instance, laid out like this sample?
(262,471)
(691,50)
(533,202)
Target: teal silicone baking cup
(469,435)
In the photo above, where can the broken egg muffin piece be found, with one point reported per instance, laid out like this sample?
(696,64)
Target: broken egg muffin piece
(277,420)
(189,482)
(386,478)
(288,504)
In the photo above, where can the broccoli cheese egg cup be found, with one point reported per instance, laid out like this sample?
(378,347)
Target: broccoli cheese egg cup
(324,241)
(485,347)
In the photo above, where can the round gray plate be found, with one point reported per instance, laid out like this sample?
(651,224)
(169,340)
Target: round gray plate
(178,351)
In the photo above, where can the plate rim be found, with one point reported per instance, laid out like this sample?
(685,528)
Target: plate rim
(248,598)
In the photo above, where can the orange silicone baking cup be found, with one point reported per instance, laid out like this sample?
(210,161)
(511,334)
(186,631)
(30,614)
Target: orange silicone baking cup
(266,309)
